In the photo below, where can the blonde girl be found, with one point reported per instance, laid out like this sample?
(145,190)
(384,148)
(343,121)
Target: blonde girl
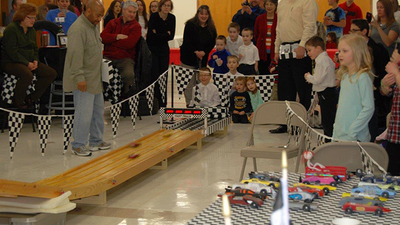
(356,100)
(255,96)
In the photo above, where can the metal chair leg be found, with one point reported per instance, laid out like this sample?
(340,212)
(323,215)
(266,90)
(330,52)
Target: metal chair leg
(243,167)
(255,165)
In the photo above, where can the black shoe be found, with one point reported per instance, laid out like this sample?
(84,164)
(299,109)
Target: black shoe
(280,129)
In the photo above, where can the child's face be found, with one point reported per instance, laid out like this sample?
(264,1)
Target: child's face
(247,37)
(239,86)
(313,52)
(220,44)
(345,54)
(205,77)
(251,85)
(233,33)
(232,64)
(328,38)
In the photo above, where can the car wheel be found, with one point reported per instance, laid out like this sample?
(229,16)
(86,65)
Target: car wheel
(385,194)
(348,210)
(378,212)
(326,190)
(307,207)
(369,181)
(306,182)
(316,195)
(254,205)
(391,188)
(263,192)
(357,191)
(333,184)
(318,182)
(376,198)
(238,188)
(340,180)
(308,200)
(246,182)
(272,185)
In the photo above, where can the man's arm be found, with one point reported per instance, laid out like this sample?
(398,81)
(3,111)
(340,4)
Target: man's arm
(76,46)
(107,37)
(310,13)
(133,38)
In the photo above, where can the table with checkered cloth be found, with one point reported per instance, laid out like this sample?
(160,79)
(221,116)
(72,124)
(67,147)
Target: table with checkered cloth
(114,87)
(327,210)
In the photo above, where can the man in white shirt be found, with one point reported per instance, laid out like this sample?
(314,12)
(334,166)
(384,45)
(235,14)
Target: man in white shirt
(296,25)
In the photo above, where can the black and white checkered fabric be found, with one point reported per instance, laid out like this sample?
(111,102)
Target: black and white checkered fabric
(164,115)
(217,112)
(162,83)
(115,112)
(150,97)
(183,76)
(9,83)
(134,106)
(44,124)
(197,95)
(327,210)
(224,84)
(15,123)
(366,161)
(265,84)
(68,125)
(114,88)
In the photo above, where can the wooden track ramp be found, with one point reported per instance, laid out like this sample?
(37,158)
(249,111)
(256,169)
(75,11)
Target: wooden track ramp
(107,171)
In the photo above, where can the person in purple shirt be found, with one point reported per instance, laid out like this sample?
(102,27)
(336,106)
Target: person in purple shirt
(219,59)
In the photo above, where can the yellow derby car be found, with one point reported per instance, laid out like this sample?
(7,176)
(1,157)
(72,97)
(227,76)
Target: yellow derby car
(365,195)
(273,184)
(325,188)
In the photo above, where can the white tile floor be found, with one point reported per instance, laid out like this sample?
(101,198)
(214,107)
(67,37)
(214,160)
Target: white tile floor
(172,196)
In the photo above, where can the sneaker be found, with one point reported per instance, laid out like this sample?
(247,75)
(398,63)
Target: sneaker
(102,146)
(81,151)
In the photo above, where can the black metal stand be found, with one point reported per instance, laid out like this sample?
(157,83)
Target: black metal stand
(171,121)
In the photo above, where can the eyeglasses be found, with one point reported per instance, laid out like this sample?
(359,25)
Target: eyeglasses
(354,30)
(31,17)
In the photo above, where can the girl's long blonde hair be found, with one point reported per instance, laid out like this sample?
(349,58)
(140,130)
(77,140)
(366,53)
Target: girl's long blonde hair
(361,56)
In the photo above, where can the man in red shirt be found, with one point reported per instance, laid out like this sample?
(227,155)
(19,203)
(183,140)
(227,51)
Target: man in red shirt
(119,38)
(352,11)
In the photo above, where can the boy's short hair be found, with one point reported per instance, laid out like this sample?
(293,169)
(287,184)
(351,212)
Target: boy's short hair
(221,37)
(248,29)
(316,41)
(362,24)
(205,69)
(241,79)
(234,25)
(233,57)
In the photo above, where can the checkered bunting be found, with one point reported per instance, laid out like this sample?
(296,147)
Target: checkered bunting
(218,112)
(162,83)
(327,210)
(224,84)
(115,112)
(114,88)
(68,124)
(134,106)
(265,84)
(150,97)
(9,83)
(197,95)
(15,123)
(183,76)
(368,162)
(44,123)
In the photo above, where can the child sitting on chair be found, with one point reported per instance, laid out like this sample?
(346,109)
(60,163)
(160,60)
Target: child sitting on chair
(255,96)
(206,93)
(240,102)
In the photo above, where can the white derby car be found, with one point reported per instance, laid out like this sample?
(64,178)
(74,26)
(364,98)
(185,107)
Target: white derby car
(258,188)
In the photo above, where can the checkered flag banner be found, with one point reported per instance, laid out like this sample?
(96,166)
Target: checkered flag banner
(183,76)
(115,112)
(68,124)
(44,123)
(197,95)
(265,84)
(224,84)
(150,97)
(162,83)
(9,83)
(134,105)
(15,122)
(114,88)
(368,162)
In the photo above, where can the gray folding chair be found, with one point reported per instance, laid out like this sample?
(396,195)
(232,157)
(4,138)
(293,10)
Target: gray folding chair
(348,154)
(274,112)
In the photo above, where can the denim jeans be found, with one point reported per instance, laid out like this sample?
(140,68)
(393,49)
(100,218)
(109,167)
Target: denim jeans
(88,119)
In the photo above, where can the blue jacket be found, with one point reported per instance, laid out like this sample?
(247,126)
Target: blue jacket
(221,55)
(246,20)
(69,20)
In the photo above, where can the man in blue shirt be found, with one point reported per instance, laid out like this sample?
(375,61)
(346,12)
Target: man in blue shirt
(335,18)
(246,16)
(15,6)
(62,11)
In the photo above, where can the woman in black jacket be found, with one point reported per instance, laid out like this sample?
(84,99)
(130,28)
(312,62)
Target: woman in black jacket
(113,12)
(161,29)
(198,40)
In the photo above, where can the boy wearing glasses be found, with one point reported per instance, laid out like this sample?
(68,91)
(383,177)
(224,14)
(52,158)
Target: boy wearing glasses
(205,94)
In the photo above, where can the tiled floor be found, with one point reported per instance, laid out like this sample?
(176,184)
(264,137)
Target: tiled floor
(172,196)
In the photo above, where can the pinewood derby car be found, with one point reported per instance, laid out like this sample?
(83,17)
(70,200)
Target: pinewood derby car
(257,188)
(273,184)
(325,188)
(350,207)
(365,195)
(302,205)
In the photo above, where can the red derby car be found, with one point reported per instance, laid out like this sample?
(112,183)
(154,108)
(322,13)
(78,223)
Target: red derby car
(351,207)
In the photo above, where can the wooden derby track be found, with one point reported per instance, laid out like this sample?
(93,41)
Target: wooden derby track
(107,171)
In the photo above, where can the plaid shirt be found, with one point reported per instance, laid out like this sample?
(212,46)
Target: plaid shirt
(394,121)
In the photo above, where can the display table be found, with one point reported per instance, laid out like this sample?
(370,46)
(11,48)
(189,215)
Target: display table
(328,210)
